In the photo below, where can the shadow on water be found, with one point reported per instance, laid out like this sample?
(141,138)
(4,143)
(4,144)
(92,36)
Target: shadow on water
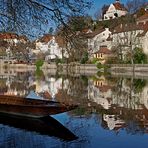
(44,126)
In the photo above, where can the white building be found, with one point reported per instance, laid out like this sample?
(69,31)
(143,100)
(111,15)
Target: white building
(129,36)
(143,41)
(99,38)
(115,10)
(53,46)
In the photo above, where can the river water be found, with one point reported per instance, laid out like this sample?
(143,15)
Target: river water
(112,111)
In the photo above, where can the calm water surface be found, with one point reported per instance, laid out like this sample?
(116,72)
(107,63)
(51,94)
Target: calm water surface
(112,112)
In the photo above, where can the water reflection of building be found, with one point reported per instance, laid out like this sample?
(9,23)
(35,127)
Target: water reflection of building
(113,122)
(99,91)
(122,94)
(127,96)
(50,85)
(13,83)
(125,105)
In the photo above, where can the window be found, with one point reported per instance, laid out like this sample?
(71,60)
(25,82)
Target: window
(116,14)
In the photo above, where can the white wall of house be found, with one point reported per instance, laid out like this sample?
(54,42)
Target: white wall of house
(41,46)
(125,38)
(99,40)
(50,47)
(144,42)
(52,85)
(110,13)
(12,41)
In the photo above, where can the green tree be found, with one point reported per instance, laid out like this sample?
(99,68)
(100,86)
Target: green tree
(139,56)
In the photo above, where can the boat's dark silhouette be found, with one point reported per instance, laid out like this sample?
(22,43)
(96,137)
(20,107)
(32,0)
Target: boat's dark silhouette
(44,126)
(31,107)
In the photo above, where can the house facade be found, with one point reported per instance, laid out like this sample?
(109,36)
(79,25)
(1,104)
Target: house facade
(99,38)
(11,47)
(115,10)
(125,38)
(52,46)
(103,54)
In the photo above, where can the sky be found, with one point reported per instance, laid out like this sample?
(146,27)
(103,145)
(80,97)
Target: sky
(99,3)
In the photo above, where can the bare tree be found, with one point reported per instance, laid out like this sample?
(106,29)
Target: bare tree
(98,14)
(74,35)
(134,5)
(30,16)
(21,51)
(125,39)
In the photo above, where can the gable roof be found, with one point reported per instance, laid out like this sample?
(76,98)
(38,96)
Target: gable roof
(127,27)
(119,6)
(96,32)
(46,38)
(104,50)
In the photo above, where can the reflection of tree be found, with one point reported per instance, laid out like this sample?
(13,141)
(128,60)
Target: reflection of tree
(39,74)
(3,87)
(75,90)
(139,84)
(78,89)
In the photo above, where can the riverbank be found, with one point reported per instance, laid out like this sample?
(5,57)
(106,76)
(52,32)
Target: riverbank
(72,68)
(138,71)
(125,68)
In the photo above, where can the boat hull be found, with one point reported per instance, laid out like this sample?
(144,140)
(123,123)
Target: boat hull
(31,108)
(33,111)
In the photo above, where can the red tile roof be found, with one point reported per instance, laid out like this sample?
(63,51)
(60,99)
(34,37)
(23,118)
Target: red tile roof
(104,50)
(46,38)
(119,6)
(8,36)
(127,27)
(96,32)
